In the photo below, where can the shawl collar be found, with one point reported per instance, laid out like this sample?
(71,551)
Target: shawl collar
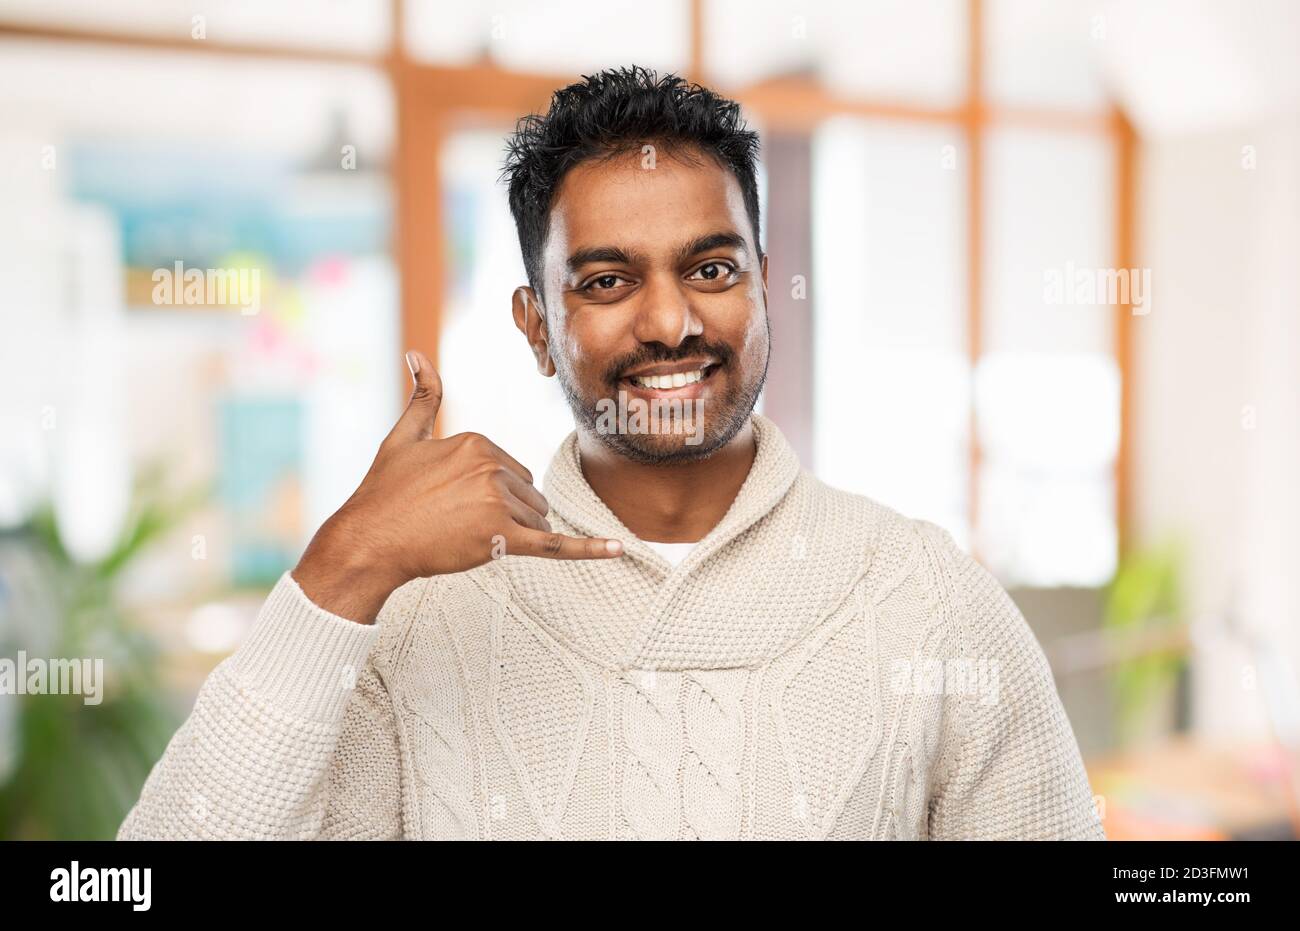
(785,554)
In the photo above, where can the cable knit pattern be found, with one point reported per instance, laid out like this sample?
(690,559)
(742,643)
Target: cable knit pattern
(818,666)
(543,706)
(714,730)
(830,715)
(653,734)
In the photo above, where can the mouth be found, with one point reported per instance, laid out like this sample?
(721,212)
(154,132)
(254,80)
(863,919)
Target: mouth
(677,380)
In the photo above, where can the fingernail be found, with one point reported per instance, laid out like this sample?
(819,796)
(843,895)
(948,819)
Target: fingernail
(614,547)
(413,363)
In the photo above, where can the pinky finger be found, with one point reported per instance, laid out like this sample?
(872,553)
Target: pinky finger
(526,516)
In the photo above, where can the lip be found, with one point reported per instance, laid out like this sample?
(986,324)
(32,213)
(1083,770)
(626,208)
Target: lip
(693,391)
(671,368)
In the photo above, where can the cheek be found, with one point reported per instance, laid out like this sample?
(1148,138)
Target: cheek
(585,342)
(754,341)
(735,316)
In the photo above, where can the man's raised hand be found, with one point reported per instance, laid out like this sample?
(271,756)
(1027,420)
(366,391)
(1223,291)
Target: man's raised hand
(430,506)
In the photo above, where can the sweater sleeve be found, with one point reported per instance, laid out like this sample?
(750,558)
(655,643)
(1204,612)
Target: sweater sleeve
(1015,771)
(293,736)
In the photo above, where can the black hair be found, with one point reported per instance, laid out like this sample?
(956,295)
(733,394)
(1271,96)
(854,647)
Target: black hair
(611,113)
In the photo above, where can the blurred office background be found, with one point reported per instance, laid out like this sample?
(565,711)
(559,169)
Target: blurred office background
(1125,462)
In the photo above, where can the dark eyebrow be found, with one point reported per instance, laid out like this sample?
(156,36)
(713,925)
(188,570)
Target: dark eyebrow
(618,256)
(611,254)
(719,240)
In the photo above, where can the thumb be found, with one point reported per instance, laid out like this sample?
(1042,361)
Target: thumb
(416,422)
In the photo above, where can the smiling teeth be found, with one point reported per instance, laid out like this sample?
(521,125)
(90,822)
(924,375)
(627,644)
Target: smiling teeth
(677,380)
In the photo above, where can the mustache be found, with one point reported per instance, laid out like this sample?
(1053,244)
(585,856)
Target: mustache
(658,352)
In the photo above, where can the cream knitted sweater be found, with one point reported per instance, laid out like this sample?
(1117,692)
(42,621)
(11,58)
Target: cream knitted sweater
(817,667)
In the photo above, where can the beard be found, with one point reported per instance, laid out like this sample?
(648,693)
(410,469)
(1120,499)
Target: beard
(728,412)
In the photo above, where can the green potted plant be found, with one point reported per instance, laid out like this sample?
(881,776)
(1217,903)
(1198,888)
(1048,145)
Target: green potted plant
(1143,611)
(70,770)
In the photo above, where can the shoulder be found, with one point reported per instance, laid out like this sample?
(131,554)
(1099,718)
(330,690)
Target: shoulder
(845,519)
(916,568)
(904,556)
(988,625)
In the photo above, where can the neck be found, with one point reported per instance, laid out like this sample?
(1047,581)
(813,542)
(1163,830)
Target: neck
(675,502)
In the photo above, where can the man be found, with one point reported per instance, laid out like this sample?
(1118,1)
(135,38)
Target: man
(686,636)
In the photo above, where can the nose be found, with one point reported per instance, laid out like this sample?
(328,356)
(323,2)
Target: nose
(665,314)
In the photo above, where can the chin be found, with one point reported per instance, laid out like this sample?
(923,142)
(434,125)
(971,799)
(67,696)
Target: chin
(691,440)
(662,449)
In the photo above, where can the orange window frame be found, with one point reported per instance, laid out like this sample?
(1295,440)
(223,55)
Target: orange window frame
(432,101)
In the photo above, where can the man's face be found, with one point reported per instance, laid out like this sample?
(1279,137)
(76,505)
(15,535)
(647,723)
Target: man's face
(652,279)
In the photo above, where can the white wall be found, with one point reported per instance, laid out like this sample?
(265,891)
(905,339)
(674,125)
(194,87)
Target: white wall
(1217,387)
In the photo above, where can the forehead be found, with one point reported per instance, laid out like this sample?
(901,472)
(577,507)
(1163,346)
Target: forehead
(652,210)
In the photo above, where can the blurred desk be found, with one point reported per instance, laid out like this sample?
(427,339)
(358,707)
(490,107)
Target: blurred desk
(1188,789)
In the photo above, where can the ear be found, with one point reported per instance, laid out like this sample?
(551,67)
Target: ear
(527,311)
(763,264)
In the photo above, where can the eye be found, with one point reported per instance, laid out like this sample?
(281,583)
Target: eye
(713,271)
(602,283)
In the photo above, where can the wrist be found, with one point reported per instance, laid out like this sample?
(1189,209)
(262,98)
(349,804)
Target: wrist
(340,576)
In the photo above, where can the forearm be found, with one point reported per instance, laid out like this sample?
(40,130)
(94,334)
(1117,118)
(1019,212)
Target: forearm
(252,759)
